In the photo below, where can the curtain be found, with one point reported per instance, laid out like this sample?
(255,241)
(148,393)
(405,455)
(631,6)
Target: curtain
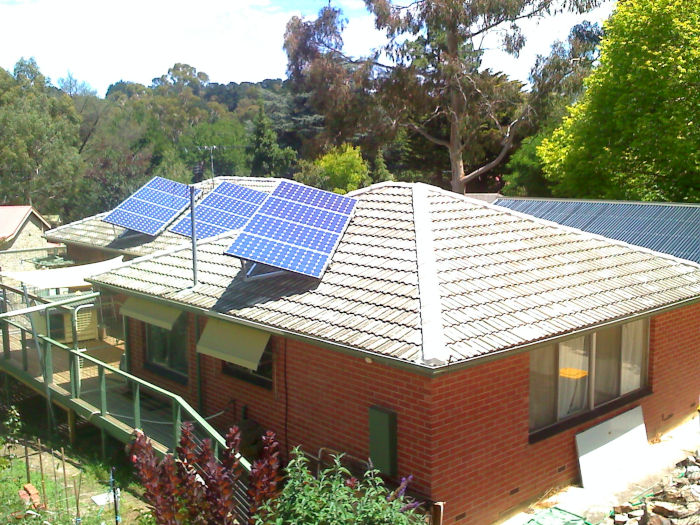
(607,364)
(573,376)
(543,386)
(633,355)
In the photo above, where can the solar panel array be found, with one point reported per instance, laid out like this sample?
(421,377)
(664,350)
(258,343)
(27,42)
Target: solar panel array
(228,207)
(152,207)
(297,228)
(667,228)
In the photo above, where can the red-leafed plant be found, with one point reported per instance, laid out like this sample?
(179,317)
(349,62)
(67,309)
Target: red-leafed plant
(196,488)
(265,475)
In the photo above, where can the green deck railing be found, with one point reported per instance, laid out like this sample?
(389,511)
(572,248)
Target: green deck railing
(113,391)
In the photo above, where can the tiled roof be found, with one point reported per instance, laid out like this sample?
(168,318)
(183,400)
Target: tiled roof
(94,232)
(665,227)
(12,218)
(430,278)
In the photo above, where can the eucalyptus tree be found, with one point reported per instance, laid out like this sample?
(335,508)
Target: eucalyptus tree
(435,81)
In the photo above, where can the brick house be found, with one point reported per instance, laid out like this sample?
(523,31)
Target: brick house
(22,238)
(450,339)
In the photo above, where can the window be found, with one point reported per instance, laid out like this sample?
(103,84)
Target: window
(261,376)
(166,350)
(583,373)
(57,326)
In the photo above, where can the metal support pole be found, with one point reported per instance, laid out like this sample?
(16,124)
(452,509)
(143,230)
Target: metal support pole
(193,224)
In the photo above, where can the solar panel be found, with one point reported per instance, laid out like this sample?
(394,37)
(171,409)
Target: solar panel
(297,228)
(227,208)
(152,207)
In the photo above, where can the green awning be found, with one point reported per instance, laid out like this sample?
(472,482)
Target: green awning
(150,312)
(234,343)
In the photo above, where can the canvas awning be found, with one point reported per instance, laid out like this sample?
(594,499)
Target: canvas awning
(150,312)
(68,277)
(234,343)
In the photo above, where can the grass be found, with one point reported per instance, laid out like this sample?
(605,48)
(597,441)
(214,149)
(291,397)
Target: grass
(86,467)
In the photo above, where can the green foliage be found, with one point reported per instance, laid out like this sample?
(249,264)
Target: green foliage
(634,135)
(340,170)
(268,159)
(524,177)
(335,498)
(39,160)
(222,143)
(10,428)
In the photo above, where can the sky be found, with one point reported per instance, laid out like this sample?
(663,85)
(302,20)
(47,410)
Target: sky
(102,42)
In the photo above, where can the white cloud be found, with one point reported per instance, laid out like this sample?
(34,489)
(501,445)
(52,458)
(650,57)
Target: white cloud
(102,43)
(541,33)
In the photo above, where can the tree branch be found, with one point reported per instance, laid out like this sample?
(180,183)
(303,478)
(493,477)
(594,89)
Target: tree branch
(488,27)
(428,136)
(507,145)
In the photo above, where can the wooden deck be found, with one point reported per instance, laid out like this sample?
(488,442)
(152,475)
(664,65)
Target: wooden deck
(156,413)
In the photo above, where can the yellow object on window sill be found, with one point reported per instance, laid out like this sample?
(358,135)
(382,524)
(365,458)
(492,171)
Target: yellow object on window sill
(572,373)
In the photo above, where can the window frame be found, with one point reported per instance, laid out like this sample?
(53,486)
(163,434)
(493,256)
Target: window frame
(254,376)
(168,370)
(593,410)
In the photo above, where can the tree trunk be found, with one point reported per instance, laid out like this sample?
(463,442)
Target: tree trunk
(455,114)
(456,163)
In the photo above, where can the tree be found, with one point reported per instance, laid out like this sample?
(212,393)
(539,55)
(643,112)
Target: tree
(39,161)
(437,85)
(340,170)
(634,134)
(268,159)
(219,145)
(557,82)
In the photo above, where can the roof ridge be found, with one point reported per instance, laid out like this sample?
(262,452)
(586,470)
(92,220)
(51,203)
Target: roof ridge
(433,340)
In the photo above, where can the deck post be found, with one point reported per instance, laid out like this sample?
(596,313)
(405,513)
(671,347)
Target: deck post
(177,424)
(71,426)
(103,390)
(48,363)
(48,357)
(73,371)
(25,358)
(5,326)
(137,405)
(103,443)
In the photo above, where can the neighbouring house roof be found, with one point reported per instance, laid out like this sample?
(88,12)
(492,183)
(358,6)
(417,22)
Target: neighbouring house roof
(66,277)
(12,218)
(664,227)
(93,232)
(429,278)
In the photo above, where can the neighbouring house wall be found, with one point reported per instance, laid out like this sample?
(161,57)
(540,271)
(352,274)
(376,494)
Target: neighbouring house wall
(28,244)
(483,464)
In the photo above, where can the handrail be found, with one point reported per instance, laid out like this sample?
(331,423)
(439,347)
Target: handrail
(217,438)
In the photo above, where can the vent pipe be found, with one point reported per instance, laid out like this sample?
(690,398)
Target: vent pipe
(194,238)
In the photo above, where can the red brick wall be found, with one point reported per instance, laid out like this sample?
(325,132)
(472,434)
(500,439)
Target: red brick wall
(464,435)
(328,399)
(483,464)
(674,369)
